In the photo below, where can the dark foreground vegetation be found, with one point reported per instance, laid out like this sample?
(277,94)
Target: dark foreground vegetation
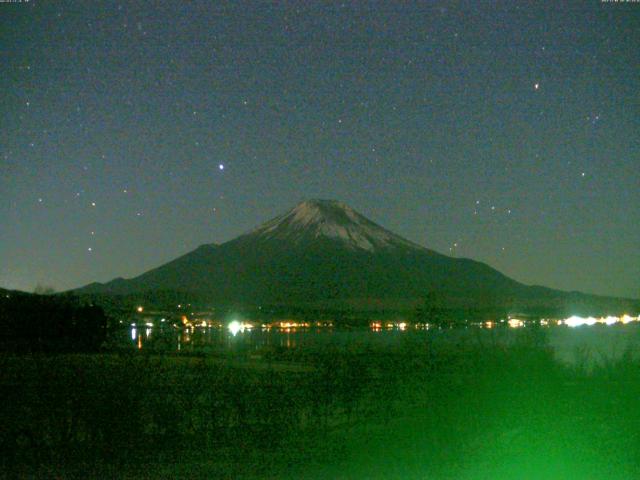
(48,323)
(414,410)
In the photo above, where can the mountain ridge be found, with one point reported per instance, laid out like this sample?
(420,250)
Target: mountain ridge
(324,252)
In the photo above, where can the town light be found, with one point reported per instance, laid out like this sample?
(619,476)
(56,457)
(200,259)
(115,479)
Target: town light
(516,323)
(234,327)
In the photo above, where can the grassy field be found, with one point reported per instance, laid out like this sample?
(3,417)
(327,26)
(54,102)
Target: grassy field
(417,410)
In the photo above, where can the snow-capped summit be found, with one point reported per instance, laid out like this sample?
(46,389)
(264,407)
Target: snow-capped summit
(315,219)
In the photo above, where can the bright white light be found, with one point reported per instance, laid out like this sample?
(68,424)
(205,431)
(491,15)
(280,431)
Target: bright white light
(221,167)
(515,323)
(575,321)
(234,327)
(133,333)
(626,319)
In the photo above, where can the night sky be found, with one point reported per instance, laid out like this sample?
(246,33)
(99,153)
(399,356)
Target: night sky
(132,132)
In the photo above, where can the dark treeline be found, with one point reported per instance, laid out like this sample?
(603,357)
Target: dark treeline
(49,323)
(434,307)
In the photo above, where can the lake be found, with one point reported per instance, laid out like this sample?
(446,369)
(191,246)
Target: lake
(577,344)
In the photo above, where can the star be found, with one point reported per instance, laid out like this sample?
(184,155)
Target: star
(536,86)
(220,167)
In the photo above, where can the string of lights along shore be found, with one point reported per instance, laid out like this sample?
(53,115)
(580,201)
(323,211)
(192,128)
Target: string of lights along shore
(505,132)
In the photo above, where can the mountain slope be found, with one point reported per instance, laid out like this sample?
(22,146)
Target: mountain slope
(323,253)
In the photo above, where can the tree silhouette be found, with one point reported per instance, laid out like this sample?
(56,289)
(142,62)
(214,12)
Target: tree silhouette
(43,290)
(432,311)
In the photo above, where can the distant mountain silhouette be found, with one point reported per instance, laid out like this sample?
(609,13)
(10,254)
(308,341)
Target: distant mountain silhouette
(323,253)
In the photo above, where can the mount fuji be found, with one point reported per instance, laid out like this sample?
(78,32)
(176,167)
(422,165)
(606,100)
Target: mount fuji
(324,254)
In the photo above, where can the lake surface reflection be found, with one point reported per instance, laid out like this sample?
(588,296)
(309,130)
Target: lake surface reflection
(204,339)
(587,344)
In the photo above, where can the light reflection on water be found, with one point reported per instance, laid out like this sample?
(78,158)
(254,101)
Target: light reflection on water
(203,339)
(586,345)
